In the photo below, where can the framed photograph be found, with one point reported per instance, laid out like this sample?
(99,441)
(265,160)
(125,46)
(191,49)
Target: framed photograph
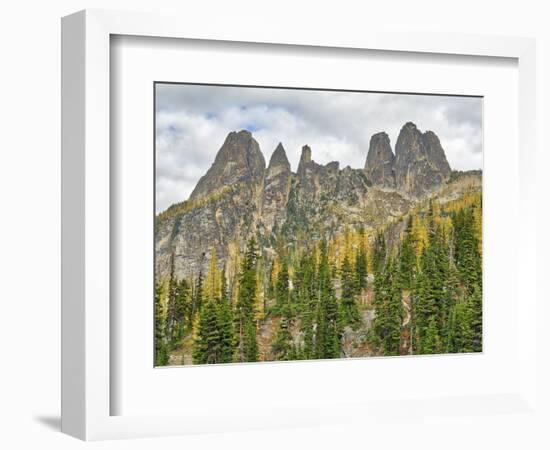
(268,229)
(366,253)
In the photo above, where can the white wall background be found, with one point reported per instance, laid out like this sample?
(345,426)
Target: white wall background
(30,197)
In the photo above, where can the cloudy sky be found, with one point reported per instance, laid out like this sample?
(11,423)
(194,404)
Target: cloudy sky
(192,122)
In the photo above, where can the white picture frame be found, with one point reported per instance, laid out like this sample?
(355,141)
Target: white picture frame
(86,217)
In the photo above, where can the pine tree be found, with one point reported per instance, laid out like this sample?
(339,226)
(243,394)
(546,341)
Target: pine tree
(407,258)
(207,346)
(361,270)
(197,298)
(212,282)
(466,248)
(282,347)
(433,288)
(379,252)
(476,319)
(246,326)
(161,352)
(349,314)
(282,293)
(431,343)
(224,294)
(175,310)
(389,309)
(181,310)
(327,338)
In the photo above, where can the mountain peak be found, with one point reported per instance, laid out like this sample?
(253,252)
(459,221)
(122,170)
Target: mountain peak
(305,160)
(420,162)
(306,154)
(379,166)
(238,159)
(278,157)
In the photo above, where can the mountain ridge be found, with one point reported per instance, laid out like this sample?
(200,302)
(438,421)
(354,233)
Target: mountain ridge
(239,197)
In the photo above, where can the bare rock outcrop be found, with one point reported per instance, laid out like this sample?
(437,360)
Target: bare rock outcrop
(420,162)
(239,159)
(379,166)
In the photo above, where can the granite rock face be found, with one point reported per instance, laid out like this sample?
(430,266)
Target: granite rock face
(239,198)
(379,166)
(420,162)
(323,198)
(277,183)
(239,159)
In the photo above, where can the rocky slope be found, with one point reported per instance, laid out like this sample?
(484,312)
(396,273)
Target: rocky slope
(239,197)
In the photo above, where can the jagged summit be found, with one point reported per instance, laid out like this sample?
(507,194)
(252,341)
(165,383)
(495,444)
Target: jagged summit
(305,161)
(239,159)
(379,166)
(419,165)
(277,184)
(420,162)
(315,202)
(278,157)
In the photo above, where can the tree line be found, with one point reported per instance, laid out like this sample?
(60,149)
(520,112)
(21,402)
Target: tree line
(423,289)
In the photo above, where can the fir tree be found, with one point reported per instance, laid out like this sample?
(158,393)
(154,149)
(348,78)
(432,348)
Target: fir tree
(379,252)
(207,346)
(181,310)
(349,314)
(226,332)
(476,321)
(407,258)
(282,293)
(431,341)
(212,282)
(176,308)
(389,309)
(361,270)
(197,298)
(466,251)
(327,338)
(246,326)
(161,352)
(282,347)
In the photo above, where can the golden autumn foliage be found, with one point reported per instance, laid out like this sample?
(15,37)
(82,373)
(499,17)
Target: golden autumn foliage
(212,282)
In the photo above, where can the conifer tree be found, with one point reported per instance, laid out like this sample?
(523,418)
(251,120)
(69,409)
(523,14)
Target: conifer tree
(466,251)
(175,310)
(389,308)
(246,326)
(407,258)
(161,352)
(224,294)
(379,252)
(361,270)
(181,310)
(305,303)
(207,345)
(197,297)
(282,346)
(282,293)
(431,342)
(349,314)
(476,321)
(327,338)
(212,282)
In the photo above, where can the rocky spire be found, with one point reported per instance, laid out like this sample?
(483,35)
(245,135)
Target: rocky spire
(420,162)
(305,159)
(276,188)
(278,159)
(379,166)
(239,159)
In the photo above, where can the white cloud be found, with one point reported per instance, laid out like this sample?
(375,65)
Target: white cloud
(192,122)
